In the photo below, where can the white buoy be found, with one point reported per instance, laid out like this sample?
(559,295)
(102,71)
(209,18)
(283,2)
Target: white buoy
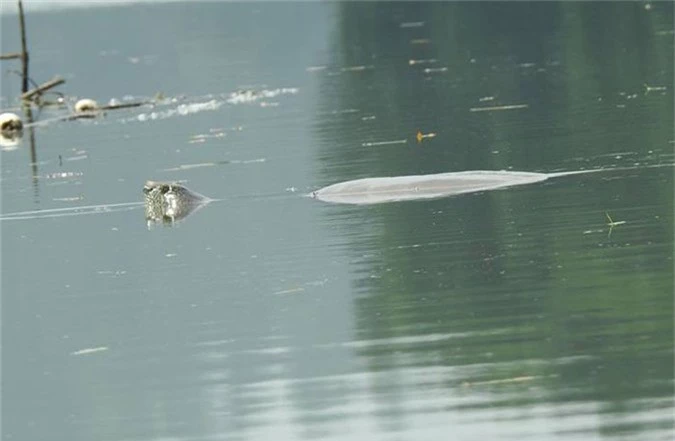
(10,123)
(86,105)
(9,144)
(11,130)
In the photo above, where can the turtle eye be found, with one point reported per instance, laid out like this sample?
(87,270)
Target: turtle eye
(149,186)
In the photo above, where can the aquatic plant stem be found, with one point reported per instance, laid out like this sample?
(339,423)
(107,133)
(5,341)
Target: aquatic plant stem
(24,50)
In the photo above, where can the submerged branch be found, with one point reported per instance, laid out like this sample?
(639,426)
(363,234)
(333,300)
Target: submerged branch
(10,56)
(124,105)
(42,88)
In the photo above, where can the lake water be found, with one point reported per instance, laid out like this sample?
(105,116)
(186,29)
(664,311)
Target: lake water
(511,314)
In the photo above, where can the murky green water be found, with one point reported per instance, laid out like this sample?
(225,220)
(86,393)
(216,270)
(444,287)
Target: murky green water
(510,314)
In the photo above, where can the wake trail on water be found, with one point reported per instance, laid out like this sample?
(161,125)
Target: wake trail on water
(378,190)
(113,208)
(127,206)
(598,170)
(71,211)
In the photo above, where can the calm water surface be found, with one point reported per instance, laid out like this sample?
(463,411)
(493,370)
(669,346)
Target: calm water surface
(512,314)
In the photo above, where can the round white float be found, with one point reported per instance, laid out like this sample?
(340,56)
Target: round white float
(11,129)
(10,123)
(86,105)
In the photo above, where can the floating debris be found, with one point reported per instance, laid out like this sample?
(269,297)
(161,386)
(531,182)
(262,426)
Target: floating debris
(649,88)
(213,164)
(77,158)
(496,108)
(145,59)
(356,68)
(202,137)
(616,155)
(187,109)
(63,175)
(90,350)
(411,24)
(243,96)
(426,61)
(114,104)
(422,136)
(182,109)
(502,381)
(429,70)
(247,161)
(70,199)
(191,166)
(111,273)
(339,112)
(250,96)
(611,224)
(289,291)
(374,144)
